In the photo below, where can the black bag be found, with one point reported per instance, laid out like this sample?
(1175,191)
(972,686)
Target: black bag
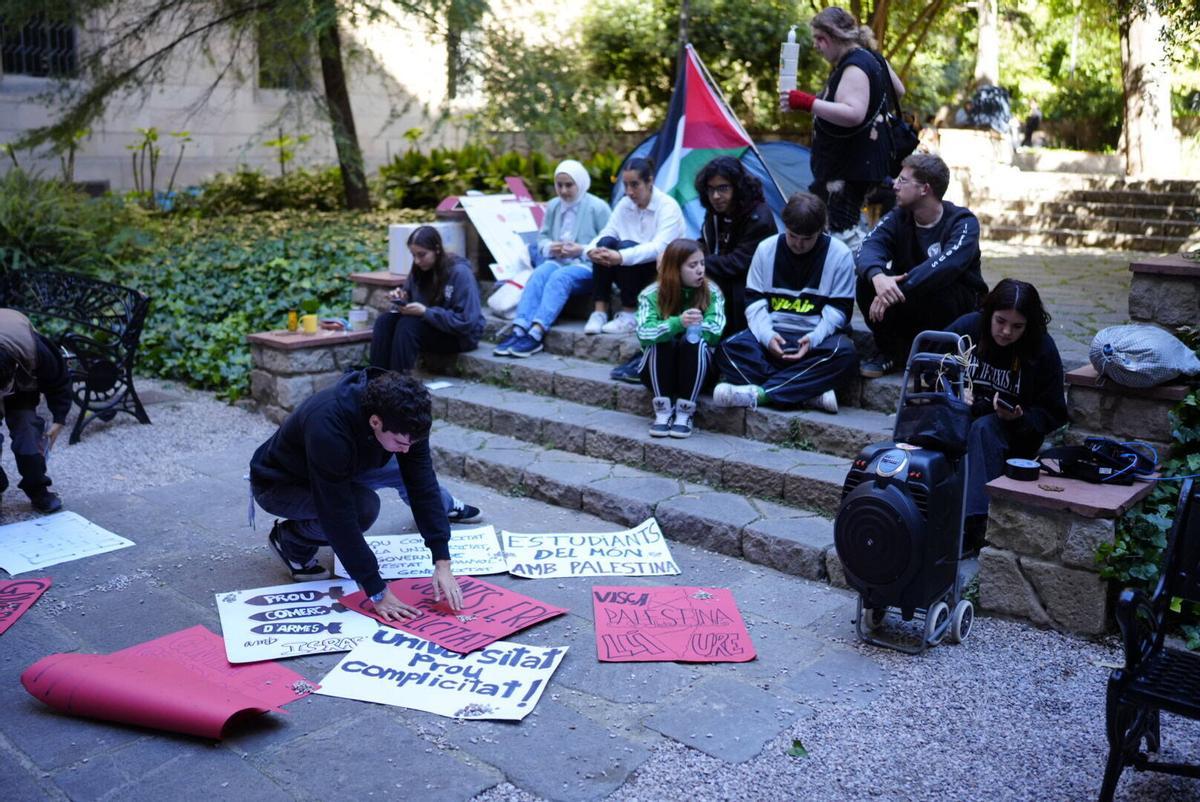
(903,136)
(942,424)
(1100,461)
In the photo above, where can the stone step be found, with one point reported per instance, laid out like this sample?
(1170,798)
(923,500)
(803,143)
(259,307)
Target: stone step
(1006,191)
(583,382)
(1027,182)
(1077,238)
(786,537)
(1089,211)
(1138,227)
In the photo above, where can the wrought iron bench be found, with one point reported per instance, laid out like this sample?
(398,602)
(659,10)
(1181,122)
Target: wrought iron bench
(1155,677)
(98,326)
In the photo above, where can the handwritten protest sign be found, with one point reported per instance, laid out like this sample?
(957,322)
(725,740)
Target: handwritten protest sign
(693,625)
(289,620)
(17,596)
(503,681)
(473,552)
(59,538)
(641,551)
(500,220)
(488,614)
(180,682)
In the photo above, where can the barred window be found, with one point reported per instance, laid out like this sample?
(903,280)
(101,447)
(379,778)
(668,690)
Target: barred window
(40,48)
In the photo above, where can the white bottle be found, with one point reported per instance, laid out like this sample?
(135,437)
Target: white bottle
(789,55)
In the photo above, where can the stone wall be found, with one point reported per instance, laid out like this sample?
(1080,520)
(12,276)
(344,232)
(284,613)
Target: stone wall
(283,377)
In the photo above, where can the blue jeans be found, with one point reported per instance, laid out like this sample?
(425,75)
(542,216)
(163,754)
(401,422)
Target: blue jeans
(296,503)
(547,292)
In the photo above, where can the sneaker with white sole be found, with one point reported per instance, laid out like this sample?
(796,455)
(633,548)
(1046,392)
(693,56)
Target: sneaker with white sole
(301,572)
(876,367)
(461,513)
(681,427)
(826,402)
(664,411)
(735,395)
(623,323)
(526,346)
(595,323)
(504,347)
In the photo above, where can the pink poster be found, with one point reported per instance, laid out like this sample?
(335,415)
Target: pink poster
(489,613)
(17,596)
(180,683)
(692,625)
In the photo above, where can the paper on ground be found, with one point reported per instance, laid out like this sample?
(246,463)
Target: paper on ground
(290,621)
(438,385)
(53,539)
(694,625)
(503,681)
(17,596)
(641,551)
(473,552)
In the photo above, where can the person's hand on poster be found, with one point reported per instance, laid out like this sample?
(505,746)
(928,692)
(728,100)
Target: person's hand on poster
(392,609)
(444,584)
(413,310)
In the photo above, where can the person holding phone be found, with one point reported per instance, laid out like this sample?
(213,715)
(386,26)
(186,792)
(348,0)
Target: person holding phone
(799,297)
(1016,389)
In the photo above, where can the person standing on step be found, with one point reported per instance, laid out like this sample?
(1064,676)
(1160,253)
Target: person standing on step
(628,247)
(320,470)
(799,298)
(1016,389)
(437,310)
(736,219)
(31,367)
(851,144)
(919,269)
(572,218)
(680,319)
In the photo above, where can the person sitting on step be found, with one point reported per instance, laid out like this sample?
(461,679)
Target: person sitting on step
(799,297)
(628,247)
(572,218)
(437,310)
(680,319)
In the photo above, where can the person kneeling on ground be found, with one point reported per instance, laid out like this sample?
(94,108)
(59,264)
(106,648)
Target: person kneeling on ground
(319,472)
(437,310)
(1017,389)
(572,218)
(919,269)
(799,297)
(680,319)
(30,367)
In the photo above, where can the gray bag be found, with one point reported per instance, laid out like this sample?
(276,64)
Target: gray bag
(1140,355)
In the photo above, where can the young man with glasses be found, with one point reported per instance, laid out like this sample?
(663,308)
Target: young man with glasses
(919,268)
(321,469)
(799,298)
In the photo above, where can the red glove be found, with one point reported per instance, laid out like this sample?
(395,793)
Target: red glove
(801,100)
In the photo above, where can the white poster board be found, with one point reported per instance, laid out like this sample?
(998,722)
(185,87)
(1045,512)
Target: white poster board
(473,552)
(503,681)
(59,538)
(290,620)
(641,551)
(500,221)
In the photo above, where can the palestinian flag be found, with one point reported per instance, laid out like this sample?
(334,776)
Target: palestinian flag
(700,126)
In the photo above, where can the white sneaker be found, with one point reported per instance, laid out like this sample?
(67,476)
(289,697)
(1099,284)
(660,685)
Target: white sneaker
(664,411)
(595,323)
(623,323)
(681,427)
(826,402)
(735,395)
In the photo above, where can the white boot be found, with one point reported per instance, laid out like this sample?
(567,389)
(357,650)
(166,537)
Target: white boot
(663,412)
(682,425)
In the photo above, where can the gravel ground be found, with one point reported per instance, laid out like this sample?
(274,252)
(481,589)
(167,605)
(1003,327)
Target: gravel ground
(1016,713)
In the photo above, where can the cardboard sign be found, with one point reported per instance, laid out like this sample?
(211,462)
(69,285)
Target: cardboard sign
(504,681)
(59,538)
(180,683)
(17,596)
(641,551)
(489,613)
(693,625)
(500,221)
(473,552)
(289,621)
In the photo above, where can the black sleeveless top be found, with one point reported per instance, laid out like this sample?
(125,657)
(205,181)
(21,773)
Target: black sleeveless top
(860,153)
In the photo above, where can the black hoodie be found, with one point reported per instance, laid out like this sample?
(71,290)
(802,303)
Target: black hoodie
(729,245)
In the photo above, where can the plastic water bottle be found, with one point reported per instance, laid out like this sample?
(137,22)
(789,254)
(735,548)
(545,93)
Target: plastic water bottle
(692,334)
(789,57)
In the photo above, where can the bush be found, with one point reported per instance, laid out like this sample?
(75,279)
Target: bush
(50,224)
(213,282)
(249,191)
(1086,113)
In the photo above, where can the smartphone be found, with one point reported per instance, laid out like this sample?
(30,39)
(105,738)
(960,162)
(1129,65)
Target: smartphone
(791,349)
(1005,404)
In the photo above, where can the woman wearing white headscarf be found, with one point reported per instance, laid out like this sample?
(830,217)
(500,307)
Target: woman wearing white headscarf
(572,218)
